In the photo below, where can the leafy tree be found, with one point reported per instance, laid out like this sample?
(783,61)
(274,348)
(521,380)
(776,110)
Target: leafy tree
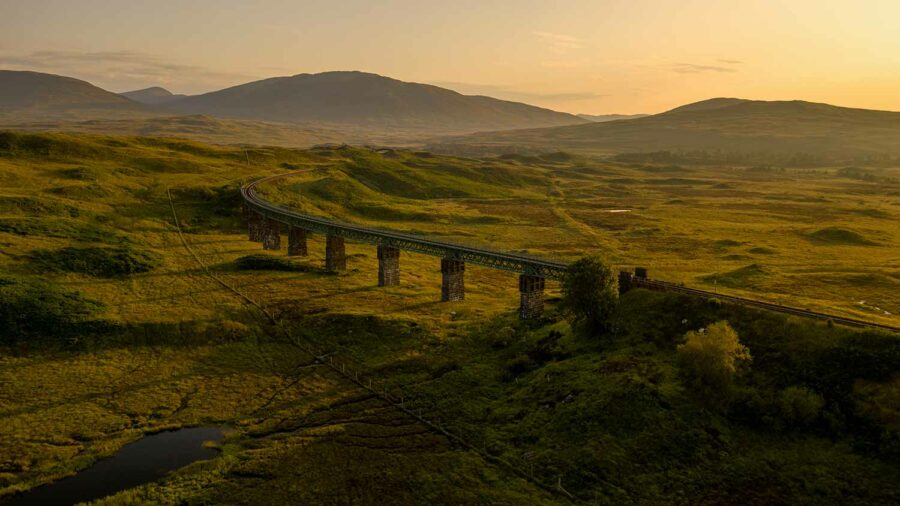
(709,360)
(590,293)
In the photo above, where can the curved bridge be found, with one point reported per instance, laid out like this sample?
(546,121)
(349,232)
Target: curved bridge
(514,262)
(264,221)
(265,218)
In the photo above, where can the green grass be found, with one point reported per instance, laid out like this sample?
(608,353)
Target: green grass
(102,262)
(108,359)
(839,236)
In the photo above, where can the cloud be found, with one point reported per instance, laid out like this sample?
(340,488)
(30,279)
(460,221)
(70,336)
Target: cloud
(511,93)
(559,43)
(119,69)
(691,68)
(731,62)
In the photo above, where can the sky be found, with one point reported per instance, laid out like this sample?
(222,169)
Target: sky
(579,56)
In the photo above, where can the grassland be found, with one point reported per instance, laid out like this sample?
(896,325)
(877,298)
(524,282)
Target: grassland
(607,419)
(808,238)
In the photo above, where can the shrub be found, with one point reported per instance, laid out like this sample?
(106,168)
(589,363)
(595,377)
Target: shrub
(547,349)
(520,364)
(94,261)
(32,309)
(709,359)
(590,294)
(260,262)
(800,406)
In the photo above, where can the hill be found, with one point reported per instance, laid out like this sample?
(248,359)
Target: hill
(818,132)
(110,330)
(154,95)
(365,99)
(33,95)
(212,130)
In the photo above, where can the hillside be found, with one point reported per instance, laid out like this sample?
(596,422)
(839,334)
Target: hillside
(364,99)
(213,130)
(784,128)
(110,330)
(154,95)
(37,96)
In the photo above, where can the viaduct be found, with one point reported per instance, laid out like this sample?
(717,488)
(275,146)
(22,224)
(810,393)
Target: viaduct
(265,220)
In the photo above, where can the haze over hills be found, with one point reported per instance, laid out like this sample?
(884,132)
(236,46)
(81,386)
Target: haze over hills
(600,118)
(722,124)
(365,99)
(155,95)
(357,107)
(294,111)
(36,96)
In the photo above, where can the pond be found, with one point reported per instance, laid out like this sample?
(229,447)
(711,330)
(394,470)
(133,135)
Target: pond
(143,461)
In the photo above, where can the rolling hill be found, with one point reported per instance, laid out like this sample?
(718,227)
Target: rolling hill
(365,99)
(725,125)
(600,118)
(36,96)
(155,95)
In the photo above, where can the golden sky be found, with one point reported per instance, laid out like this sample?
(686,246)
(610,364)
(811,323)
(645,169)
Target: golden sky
(582,56)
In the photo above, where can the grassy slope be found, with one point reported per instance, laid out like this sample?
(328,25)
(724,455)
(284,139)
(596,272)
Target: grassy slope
(188,352)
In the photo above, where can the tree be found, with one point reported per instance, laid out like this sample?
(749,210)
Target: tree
(800,406)
(590,293)
(709,360)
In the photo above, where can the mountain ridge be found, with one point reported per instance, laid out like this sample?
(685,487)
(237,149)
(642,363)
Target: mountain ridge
(365,98)
(154,95)
(28,94)
(720,124)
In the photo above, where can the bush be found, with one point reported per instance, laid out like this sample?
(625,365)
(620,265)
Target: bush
(709,360)
(800,406)
(100,262)
(260,262)
(34,310)
(590,294)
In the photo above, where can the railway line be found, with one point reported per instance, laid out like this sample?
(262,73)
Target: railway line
(533,270)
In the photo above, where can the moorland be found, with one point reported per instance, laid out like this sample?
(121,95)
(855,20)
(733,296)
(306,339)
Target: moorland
(113,329)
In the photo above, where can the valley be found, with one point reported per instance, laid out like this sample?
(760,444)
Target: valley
(157,342)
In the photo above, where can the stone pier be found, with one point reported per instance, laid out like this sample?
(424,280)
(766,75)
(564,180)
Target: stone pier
(453,285)
(271,235)
(388,266)
(335,256)
(625,280)
(254,226)
(297,242)
(531,296)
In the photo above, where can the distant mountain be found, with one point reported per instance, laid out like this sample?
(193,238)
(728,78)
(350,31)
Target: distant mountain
(154,95)
(28,95)
(725,125)
(710,104)
(368,100)
(600,118)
